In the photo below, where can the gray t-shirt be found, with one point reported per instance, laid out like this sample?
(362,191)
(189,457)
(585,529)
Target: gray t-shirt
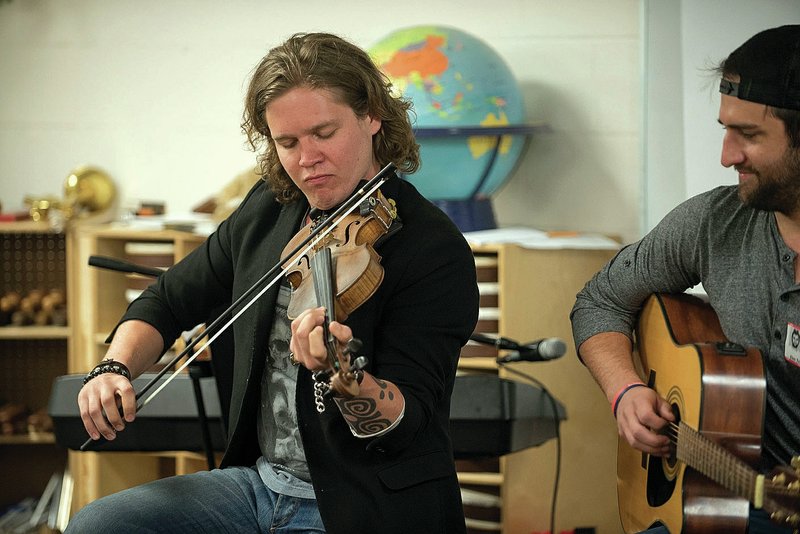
(747,270)
(282,465)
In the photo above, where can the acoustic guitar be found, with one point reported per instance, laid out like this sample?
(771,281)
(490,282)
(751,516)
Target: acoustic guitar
(717,392)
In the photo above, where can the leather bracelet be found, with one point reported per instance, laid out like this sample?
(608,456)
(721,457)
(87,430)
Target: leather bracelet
(108,365)
(621,393)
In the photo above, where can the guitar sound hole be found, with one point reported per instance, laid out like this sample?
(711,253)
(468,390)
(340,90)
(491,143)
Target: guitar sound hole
(672,460)
(661,474)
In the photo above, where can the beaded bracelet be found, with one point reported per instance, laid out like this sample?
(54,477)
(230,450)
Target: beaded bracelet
(622,392)
(108,366)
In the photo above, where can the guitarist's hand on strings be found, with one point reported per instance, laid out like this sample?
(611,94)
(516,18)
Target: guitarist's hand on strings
(642,416)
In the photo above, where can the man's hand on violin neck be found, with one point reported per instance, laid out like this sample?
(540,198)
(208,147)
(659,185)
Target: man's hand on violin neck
(308,344)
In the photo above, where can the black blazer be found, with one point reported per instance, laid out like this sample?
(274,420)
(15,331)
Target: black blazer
(412,330)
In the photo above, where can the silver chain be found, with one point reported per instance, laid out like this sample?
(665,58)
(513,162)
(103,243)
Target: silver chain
(320,389)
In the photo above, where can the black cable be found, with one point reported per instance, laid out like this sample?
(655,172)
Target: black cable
(556,428)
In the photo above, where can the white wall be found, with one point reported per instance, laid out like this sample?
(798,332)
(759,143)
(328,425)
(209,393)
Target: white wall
(682,137)
(663,160)
(151,91)
(712,29)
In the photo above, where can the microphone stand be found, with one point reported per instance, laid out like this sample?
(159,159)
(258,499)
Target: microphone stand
(497,342)
(218,325)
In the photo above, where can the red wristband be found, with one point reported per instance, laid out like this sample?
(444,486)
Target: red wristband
(622,392)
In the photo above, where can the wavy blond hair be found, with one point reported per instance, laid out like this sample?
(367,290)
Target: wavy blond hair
(326,61)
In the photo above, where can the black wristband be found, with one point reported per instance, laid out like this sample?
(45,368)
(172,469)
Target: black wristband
(108,366)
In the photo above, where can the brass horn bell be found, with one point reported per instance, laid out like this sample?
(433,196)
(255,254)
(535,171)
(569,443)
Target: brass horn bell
(88,191)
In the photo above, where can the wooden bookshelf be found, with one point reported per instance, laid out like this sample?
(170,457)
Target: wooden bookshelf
(34,257)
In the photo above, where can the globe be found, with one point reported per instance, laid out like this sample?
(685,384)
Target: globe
(468,112)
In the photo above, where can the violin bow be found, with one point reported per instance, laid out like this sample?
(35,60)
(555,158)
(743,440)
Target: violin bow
(214,330)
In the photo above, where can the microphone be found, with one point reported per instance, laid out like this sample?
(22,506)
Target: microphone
(542,350)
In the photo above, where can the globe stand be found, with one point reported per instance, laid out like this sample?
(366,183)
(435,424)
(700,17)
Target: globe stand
(476,212)
(470,215)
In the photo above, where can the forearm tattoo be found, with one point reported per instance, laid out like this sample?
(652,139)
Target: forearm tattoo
(363,413)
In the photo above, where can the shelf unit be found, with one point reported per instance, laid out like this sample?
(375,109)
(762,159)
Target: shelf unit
(32,256)
(527,294)
(99,302)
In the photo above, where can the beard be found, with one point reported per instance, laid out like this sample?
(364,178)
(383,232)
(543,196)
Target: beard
(775,187)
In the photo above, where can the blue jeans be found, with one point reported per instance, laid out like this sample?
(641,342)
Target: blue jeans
(759,523)
(232,500)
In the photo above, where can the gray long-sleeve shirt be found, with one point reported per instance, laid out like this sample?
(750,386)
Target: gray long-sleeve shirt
(747,270)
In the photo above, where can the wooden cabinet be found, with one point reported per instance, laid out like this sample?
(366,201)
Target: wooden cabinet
(527,294)
(32,259)
(99,297)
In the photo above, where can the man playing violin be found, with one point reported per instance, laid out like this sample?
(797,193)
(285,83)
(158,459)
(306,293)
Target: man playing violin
(375,457)
(741,242)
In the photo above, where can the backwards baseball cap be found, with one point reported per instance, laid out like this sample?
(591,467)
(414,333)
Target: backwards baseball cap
(768,67)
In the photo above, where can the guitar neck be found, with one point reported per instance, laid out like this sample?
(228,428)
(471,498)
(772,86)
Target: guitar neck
(710,459)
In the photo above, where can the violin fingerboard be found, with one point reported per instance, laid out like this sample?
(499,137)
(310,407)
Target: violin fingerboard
(322,276)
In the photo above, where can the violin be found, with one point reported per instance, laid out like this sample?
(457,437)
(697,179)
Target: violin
(339,272)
